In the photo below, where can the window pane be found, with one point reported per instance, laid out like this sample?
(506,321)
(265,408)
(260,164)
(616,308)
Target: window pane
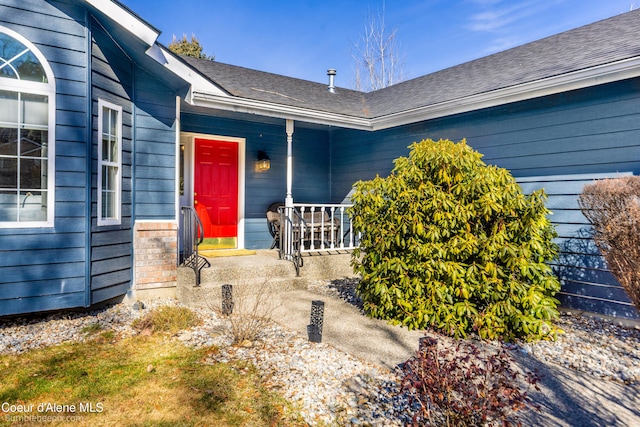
(113,154)
(113,123)
(33,174)
(105,121)
(29,68)
(108,204)
(33,206)
(109,150)
(109,191)
(8,141)
(8,107)
(109,175)
(34,143)
(109,135)
(8,173)
(35,110)
(24,65)
(8,206)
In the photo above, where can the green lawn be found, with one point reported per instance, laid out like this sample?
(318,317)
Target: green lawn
(149,379)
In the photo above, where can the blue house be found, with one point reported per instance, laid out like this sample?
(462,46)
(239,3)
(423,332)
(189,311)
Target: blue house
(106,135)
(88,128)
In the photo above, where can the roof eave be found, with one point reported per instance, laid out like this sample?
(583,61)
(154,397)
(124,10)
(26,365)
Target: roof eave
(197,82)
(127,19)
(252,106)
(607,73)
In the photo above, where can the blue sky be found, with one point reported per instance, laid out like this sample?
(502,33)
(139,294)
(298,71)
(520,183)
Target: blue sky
(302,38)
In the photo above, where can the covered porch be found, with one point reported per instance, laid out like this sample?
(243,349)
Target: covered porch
(287,203)
(299,233)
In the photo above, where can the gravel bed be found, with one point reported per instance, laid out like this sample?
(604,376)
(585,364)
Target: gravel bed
(598,347)
(328,385)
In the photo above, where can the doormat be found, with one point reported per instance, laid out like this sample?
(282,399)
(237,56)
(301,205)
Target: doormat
(211,253)
(219,243)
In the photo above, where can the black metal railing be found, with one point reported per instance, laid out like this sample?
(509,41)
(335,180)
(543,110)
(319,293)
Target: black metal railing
(290,228)
(192,237)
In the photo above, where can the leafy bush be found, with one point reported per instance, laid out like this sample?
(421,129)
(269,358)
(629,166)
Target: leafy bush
(451,243)
(464,386)
(612,207)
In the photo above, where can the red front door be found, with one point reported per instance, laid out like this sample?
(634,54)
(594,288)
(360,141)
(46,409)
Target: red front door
(216,187)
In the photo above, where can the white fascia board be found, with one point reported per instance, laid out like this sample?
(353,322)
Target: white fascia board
(621,70)
(127,20)
(250,106)
(198,82)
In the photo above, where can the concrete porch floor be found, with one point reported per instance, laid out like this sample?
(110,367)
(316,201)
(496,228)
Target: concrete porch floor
(264,267)
(266,264)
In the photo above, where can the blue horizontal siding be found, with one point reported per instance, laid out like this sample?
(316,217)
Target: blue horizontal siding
(592,130)
(44,268)
(111,264)
(155,146)
(42,256)
(35,272)
(107,294)
(597,305)
(41,288)
(112,79)
(257,234)
(42,303)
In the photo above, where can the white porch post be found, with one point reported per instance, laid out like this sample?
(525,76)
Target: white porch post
(288,201)
(287,238)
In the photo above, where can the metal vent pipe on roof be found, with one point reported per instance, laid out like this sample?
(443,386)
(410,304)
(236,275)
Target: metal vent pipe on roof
(332,74)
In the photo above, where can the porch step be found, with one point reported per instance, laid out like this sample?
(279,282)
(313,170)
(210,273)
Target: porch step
(263,267)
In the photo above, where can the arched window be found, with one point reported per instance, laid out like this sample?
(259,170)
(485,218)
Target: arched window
(27,123)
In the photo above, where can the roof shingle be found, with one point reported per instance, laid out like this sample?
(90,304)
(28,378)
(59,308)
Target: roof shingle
(603,42)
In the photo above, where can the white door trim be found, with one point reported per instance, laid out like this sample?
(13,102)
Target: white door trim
(188,139)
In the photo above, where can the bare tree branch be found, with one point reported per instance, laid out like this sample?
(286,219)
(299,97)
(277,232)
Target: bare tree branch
(376,59)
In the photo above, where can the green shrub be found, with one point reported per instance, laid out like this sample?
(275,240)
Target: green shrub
(451,243)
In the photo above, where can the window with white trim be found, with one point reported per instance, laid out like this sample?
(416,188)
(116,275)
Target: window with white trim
(27,123)
(109,163)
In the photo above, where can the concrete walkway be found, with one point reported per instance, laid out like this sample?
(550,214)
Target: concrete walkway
(347,329)
(567,398)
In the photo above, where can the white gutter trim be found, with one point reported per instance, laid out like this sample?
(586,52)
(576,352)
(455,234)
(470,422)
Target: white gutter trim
(127,20)
(598,75)
(250,106)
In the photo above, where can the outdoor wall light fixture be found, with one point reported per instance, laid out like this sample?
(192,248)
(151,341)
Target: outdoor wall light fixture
(264,162)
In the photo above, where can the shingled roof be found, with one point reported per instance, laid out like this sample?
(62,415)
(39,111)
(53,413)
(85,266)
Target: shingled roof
(609,41)
(268,87)
(602,42)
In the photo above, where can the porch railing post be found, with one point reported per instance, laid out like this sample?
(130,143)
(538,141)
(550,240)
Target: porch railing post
(288,201)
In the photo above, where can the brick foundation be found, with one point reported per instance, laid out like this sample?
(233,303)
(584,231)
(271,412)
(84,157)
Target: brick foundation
(155,247)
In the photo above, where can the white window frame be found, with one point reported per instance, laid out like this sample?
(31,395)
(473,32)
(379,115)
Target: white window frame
(37,88)
(102,105)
